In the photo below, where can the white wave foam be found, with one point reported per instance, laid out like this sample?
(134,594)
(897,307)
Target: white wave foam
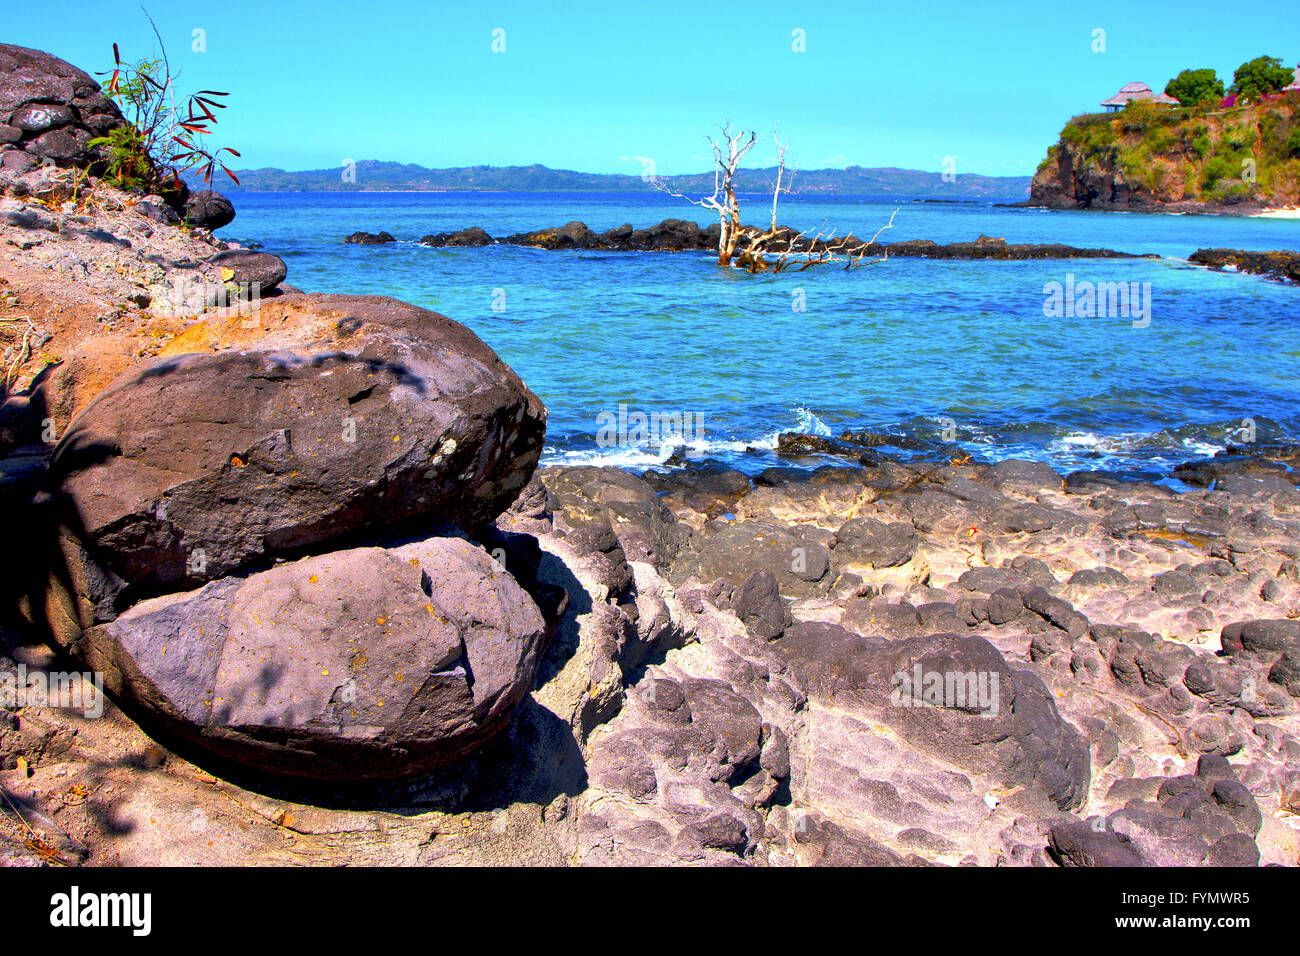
(1127,442)
(810,424)
(649,456)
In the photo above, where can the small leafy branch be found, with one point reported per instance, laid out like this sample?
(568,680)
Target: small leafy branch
(164,138)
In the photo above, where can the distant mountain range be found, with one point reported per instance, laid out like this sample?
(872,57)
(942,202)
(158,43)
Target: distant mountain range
(375,176)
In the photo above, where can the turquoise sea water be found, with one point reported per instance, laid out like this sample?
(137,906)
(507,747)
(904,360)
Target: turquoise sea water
(909,346)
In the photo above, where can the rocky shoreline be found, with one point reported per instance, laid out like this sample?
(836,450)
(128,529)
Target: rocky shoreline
(343,617)
(680,235)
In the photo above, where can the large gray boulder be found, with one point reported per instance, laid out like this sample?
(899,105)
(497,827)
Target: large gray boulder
(352,415)
(361,663)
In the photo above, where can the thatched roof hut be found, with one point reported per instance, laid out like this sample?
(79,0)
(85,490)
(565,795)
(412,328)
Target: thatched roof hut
(1135,91)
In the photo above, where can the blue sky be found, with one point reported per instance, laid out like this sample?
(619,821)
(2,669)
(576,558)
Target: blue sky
(591,85)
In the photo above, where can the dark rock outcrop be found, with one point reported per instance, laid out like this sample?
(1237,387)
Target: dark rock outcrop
(50,111)
(370,238)
(1077,843)
(208,210)
(646,530)
(740,549)
(474,236)
(1281,265)
(249,269)
(680,235)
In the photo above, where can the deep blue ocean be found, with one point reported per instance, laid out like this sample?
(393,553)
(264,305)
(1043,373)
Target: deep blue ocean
(909,346)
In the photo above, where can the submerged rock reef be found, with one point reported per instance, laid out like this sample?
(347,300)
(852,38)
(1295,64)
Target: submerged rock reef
(680,235)
(342,616)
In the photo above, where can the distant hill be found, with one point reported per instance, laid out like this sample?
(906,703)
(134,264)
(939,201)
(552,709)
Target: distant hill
(372,175)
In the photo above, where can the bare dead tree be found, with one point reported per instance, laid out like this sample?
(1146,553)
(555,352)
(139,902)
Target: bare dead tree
(781,249)
(758,242)
(777,247)
(723,201)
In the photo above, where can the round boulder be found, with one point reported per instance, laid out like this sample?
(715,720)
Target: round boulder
(360,664)
(210,210)
(247,268)
(349,415)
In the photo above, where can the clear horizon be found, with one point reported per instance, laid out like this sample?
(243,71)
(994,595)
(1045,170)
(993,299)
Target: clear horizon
(600,89)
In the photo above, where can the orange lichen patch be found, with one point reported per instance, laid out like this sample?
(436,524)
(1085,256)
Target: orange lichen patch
(238,461)
(1189,538)
(227,328)
(312,579)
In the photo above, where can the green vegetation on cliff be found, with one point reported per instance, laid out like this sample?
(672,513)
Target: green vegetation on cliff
(1259,77)
(1196,88)
(1149,154)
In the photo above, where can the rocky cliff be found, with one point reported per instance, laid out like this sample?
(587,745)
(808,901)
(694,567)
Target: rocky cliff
(1150,157)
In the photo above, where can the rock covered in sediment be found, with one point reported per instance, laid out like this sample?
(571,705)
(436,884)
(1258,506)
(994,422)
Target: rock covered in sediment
(50,111)
(332,416)
(361,663)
